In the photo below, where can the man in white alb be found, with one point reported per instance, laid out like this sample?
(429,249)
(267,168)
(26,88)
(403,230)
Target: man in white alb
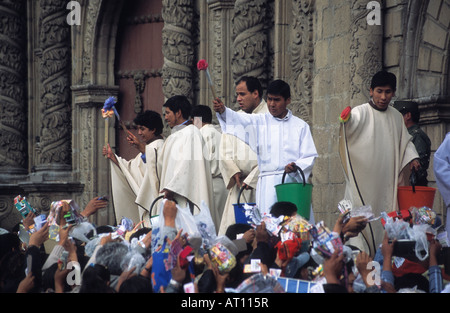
(238,163)
(135,182)
(280,140)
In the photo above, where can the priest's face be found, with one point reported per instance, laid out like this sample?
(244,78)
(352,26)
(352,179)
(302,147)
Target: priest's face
(382,96)
(146,134)
(170,117)
(277,105)
(247,100)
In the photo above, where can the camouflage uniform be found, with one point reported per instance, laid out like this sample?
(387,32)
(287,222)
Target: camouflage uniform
(423,146)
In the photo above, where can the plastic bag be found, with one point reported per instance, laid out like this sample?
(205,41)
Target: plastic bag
(133,259)
(81,230)
(397,229)
(183,220)
(365,211)
(418,233)
(205,226)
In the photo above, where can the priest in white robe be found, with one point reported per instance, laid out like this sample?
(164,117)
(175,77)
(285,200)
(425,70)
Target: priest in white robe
(135,182)
(441,168)
(202,119)
(238,163)
(279,139)
(185,172)
(377,155)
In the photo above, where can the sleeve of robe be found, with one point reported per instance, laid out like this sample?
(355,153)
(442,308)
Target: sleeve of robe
(243,126)
(441,169)
(149,189)
(125,181)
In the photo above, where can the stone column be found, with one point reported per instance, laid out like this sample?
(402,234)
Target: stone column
(54,146)
(250,46)
(178,48)
(89,139)
(13,107)
(215,46)
(366,51)
(13,77)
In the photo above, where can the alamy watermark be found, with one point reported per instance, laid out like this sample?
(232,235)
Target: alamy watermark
(74,16)
(374,16)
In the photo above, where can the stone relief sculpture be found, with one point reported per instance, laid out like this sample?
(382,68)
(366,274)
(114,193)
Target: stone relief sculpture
(13,70)
(363,65)
(250,48)
(55,70)
(178,48)
(302,58)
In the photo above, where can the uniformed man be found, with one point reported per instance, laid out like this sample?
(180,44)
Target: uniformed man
(411,116)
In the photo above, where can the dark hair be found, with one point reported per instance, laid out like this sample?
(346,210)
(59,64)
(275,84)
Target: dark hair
(9,242)
(411,280)
(279,88)
(283,208)
(202,111)
(95,279)
(408,107)
(179,103)
(12,267)
(136,284)
(235,229)
(48,279)
(151,120)
(140,232)
(384,78)
(252,83)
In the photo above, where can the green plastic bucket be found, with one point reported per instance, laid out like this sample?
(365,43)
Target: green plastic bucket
(298,193)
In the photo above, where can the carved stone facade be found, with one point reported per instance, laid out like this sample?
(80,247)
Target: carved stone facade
(51,132)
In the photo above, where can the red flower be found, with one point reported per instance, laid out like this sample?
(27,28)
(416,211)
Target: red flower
(202,65)
(345,115)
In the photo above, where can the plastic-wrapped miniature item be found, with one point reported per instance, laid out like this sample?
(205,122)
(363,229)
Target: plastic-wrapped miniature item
(365,211)
(223,257)
(297,227)
(424,215)
(54,218)
(126,225)
(23,206)
(259,283)
(273,224)
(325,242)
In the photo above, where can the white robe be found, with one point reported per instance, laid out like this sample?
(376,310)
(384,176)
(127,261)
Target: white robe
(441,168)
(380,148)
(212,138)
(237,157)
(277,142)
(184,170)
(134,184)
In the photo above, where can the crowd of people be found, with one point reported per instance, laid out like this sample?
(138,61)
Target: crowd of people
(175,229)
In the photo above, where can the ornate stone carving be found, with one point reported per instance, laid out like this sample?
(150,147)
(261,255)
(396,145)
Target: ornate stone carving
(13,113)
(92,11)
(364,38)
(249,40)
(55,65)
(302,58)
(178,47)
